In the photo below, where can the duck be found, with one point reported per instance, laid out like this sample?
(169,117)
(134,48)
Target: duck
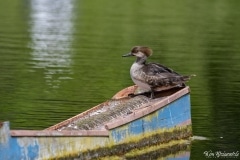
(153,76)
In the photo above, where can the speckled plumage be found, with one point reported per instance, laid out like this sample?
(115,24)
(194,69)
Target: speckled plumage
(153,75)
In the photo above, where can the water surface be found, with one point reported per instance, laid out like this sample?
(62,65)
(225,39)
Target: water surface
(60,58)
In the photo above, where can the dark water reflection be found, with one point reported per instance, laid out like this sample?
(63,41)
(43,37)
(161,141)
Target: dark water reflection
(60,58)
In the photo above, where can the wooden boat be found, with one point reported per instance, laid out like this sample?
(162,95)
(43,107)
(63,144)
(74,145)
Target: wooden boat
(114,127)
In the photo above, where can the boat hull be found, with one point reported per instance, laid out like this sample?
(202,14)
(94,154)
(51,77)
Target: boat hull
(159,121)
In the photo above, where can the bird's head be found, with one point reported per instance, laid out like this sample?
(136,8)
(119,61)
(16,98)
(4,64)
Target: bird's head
(140,52)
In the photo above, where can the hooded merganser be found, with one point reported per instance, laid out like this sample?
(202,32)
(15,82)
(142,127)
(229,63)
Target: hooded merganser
(153,76)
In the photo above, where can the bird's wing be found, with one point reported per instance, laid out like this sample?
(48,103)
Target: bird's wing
(158,69)
(160,75)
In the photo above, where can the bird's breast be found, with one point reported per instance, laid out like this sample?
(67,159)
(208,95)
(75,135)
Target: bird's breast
(136,70)
(138,77)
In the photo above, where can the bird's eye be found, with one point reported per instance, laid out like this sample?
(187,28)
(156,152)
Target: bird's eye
(135,50)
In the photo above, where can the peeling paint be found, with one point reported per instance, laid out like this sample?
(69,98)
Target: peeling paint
(31,148)
(4,132)
(53,146)
(170,116)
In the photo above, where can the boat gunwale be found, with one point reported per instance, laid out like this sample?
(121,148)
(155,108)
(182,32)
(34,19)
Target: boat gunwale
(64,133)
(144,110)
(124,94)
(80,115)
(147,109)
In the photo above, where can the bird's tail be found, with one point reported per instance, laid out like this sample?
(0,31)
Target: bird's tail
(187,78)
(179,80)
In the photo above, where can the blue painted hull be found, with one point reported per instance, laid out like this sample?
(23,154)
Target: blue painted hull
(168,117)
(161,116)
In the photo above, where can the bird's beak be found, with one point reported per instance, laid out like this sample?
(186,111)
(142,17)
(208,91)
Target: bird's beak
(127,55)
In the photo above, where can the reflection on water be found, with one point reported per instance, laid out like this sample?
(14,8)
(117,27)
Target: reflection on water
(51,34)
(72,49)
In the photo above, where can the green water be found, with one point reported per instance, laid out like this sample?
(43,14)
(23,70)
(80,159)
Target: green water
(59,58)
